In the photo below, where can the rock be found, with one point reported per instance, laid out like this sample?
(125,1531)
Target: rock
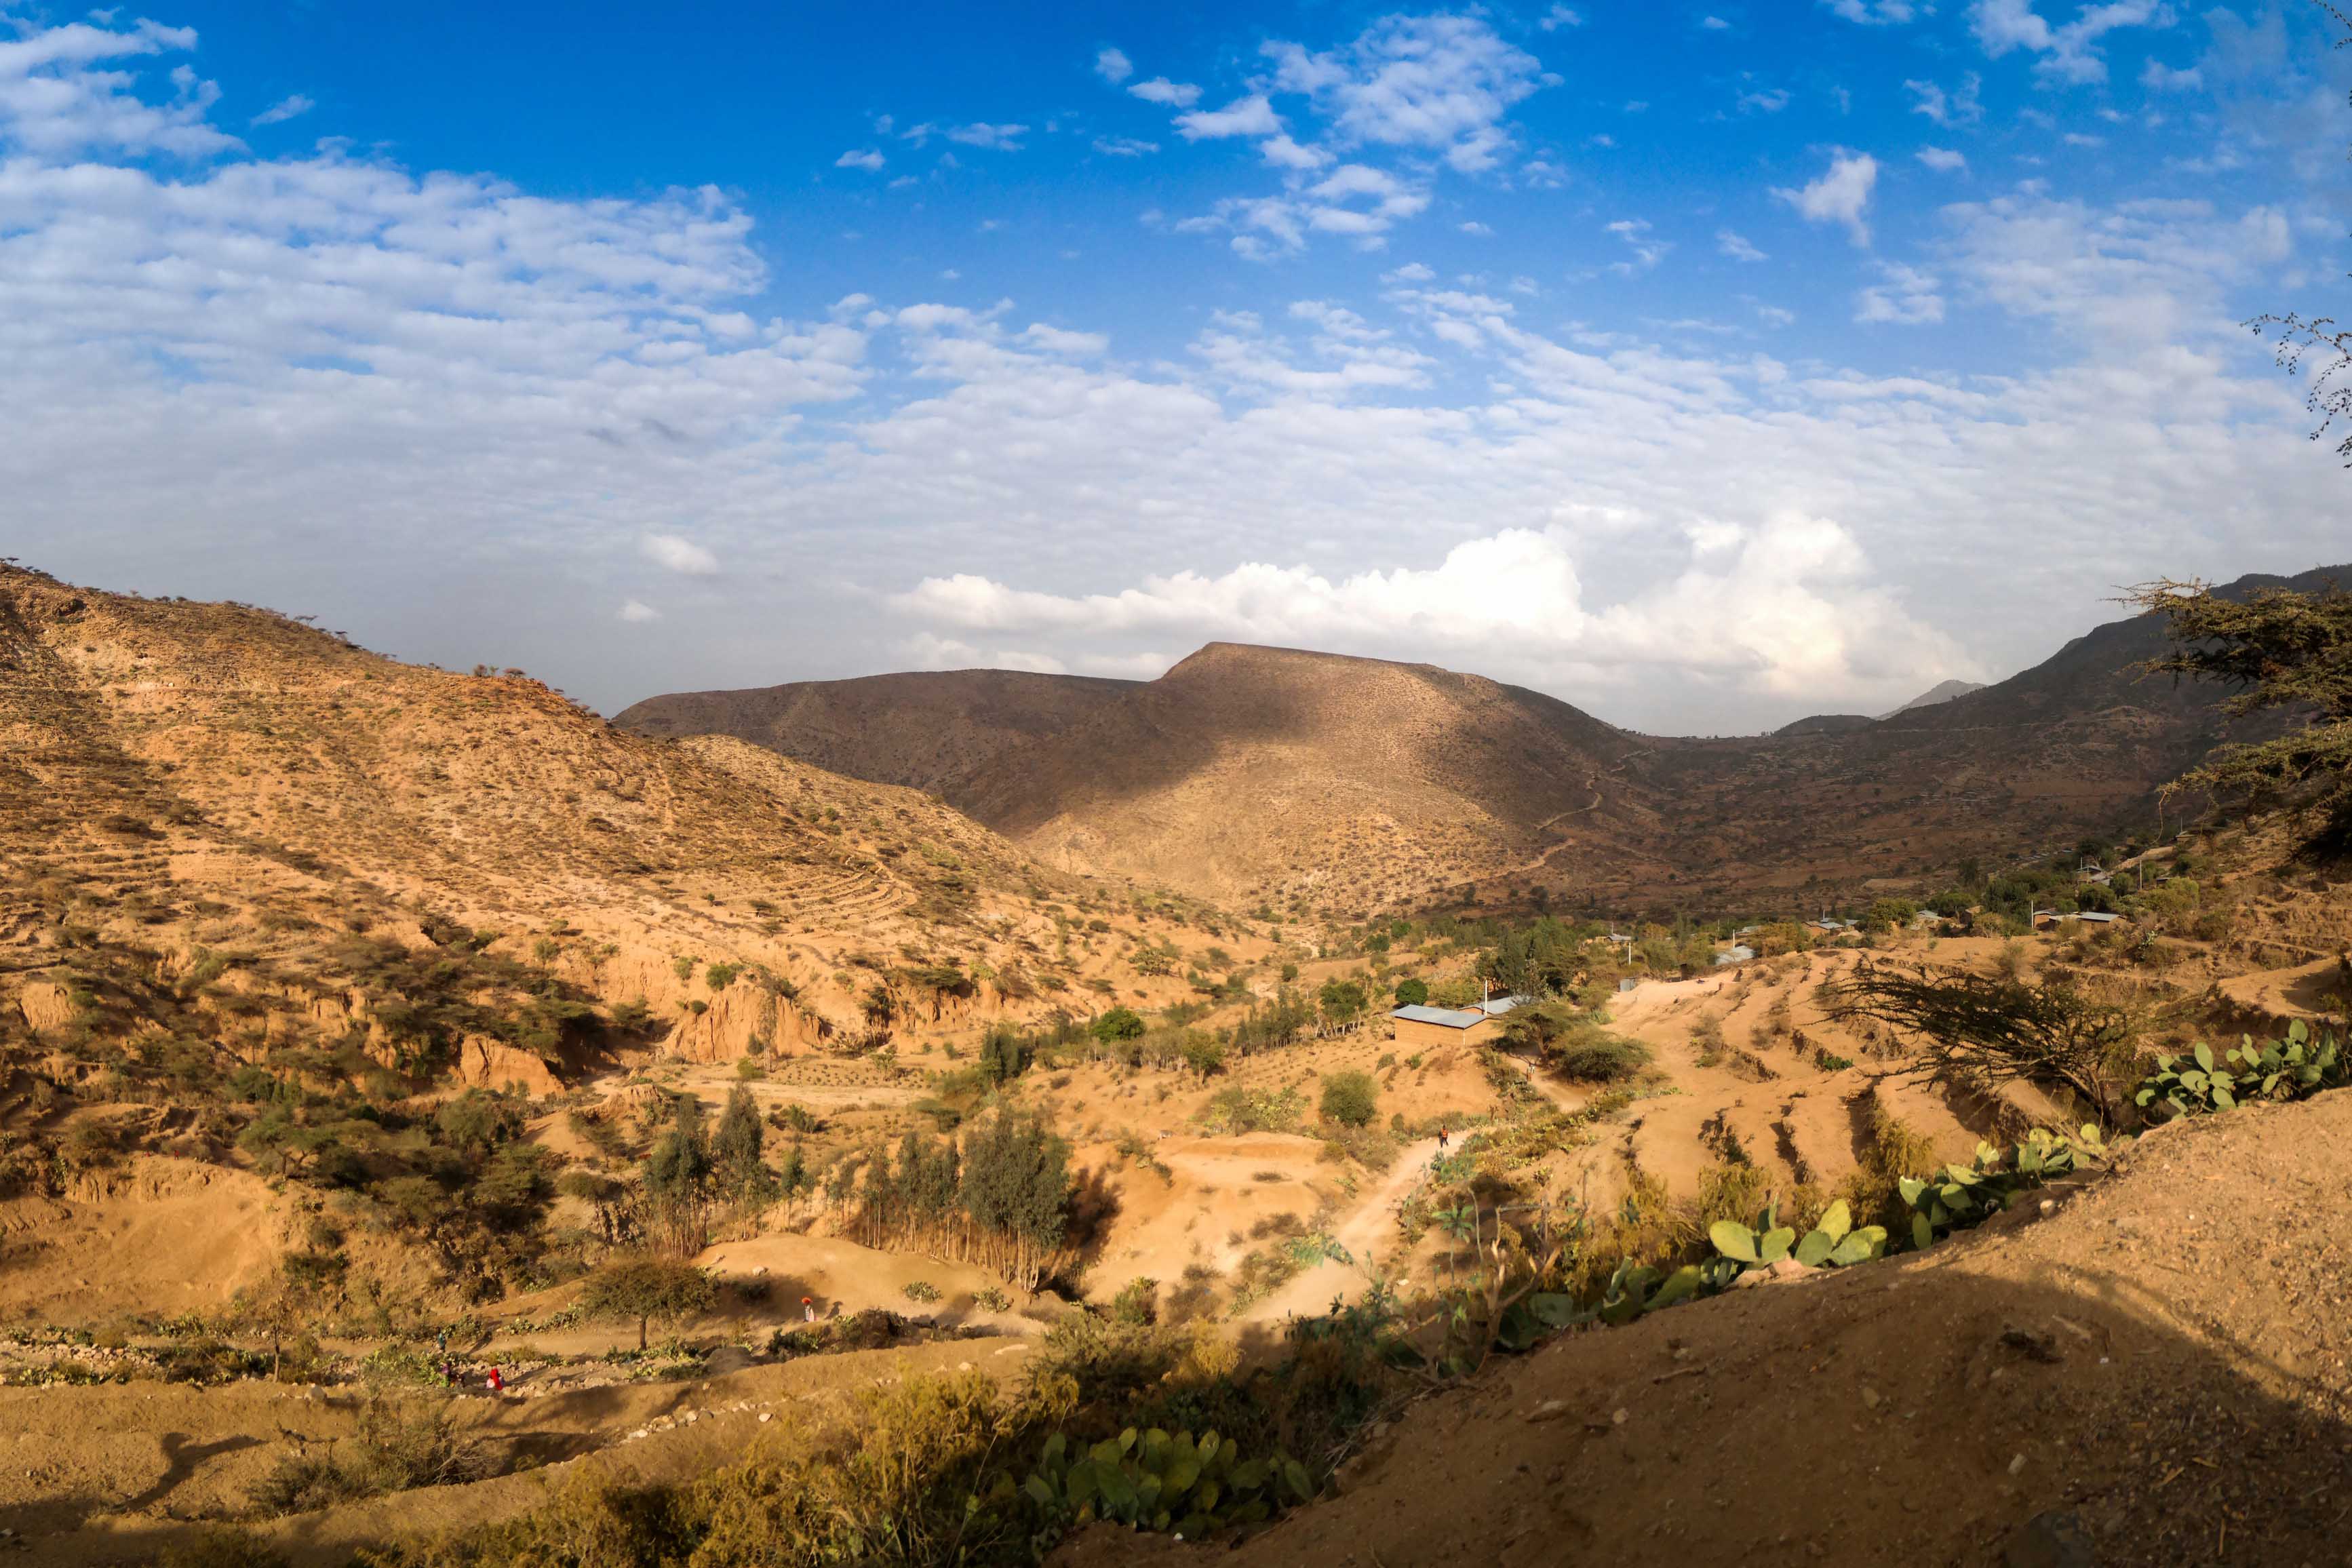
(1550,1410)
(726,1359)
(2050,1540)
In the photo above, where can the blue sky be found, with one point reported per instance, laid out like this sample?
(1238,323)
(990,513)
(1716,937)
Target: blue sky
(1706,366)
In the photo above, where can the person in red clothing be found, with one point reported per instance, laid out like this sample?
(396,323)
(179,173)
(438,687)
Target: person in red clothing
(498,1381)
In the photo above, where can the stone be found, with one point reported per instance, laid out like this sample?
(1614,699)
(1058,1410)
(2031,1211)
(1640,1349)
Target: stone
(2050,1540)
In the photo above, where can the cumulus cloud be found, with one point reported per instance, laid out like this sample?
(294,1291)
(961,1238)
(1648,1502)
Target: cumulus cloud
(2068,53)
(1785,606)
(292,107)
(425,401)
(636,612)
(1961,106)
(1905,296)
(1441,83)
(865,158)
(1874,13)
(1561,17)
(1172,94)
(1124,146)
(1737,246)
(678,554)
(1250,116)
(1943,160)
(1113,66)
(1841,194)
(1002,137)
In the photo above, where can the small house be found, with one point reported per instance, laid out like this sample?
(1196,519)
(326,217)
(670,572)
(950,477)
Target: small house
(1479,1024)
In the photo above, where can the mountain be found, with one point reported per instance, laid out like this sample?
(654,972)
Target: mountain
(1260,775)
(1942,691)
(918,730)
(217,824)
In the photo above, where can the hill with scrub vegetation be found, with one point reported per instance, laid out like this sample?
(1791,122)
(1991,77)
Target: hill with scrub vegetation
(791,1170)
(1311,782)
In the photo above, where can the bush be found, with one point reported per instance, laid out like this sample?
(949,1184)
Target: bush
(1119,1024)
(919,1290)
(646,1289)
(1411,993)
(1351,1099)
(398,1447)
(1599,1058)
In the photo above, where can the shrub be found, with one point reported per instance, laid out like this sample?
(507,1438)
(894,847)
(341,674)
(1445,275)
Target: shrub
(646,1289)
(1596,1057)
(398,1447)
(919,1290)
(1411,993)
(1117,1023)
(1351,1099)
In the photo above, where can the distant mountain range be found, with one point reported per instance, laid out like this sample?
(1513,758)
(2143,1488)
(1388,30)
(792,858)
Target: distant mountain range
(1283,776)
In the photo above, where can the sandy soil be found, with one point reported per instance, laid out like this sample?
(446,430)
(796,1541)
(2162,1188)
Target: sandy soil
(2156,1360)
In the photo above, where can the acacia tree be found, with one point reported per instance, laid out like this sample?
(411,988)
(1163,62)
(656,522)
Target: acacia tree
(1981,1031)
(2319,342)
(2277,650)
(646,1289)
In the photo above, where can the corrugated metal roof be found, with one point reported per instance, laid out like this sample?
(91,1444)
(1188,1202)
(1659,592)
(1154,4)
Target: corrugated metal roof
(1451,1017)
(1495,1006)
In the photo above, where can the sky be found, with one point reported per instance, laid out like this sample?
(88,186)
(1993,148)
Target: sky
(1705,365)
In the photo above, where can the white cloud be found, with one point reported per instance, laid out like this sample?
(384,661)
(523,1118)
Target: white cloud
(1904,296)
(1172,94)
(1647,251)
(53,104)
(1785,607)
(1113,66)
(2069,53)
(420,400)
(1477,229)
(1074,345)
(1841,196)
(1715,25)
(1765,100)
(1874,13)
(290,107)
(678,554)
(1561,17)
(1250,116)
(1124,146)
(980,133)
(636,612)
(1962,106)
(865,158)
(1283,153)
(1943,160)
(1735,246)
(2157,77)
(1441,83)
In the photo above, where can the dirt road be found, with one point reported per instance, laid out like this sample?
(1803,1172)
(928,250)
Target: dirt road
(1367,1232)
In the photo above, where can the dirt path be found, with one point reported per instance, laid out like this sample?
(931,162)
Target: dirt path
(1367,1232)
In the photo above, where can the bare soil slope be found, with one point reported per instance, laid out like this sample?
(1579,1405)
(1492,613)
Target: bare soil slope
(2154,1366)
(918,729)
(1252,774)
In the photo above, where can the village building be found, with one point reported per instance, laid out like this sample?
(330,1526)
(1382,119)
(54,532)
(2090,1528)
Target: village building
(1477,1024)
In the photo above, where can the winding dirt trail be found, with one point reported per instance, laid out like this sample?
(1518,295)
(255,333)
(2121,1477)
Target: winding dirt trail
(1365,1231)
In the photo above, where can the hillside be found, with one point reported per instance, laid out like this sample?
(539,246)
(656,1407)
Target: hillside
(218,824)
(1254,774)
(1277,775)
(919,729)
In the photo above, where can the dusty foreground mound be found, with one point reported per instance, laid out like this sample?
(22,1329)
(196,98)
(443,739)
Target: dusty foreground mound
(2153,1371)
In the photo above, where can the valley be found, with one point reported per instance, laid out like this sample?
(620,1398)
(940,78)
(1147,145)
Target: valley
(438,1125)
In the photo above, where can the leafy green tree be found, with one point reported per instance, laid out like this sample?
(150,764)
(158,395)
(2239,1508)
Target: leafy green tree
(677,1179)
(646,1289)
(1204,1052)
(1351,1099)
(1411,991)
(1343,1001)
(1119,1024)
(737,1146)
(2276,650)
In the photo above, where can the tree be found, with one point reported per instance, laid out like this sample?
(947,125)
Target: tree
(677,1180)
(1411,991)
(1980,1031)
(1349,1098)
(2277,649)
(1119,1024)
(1204,1052)
(736,1147)
(1343,1001)
(646,1289)
(2318,341)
